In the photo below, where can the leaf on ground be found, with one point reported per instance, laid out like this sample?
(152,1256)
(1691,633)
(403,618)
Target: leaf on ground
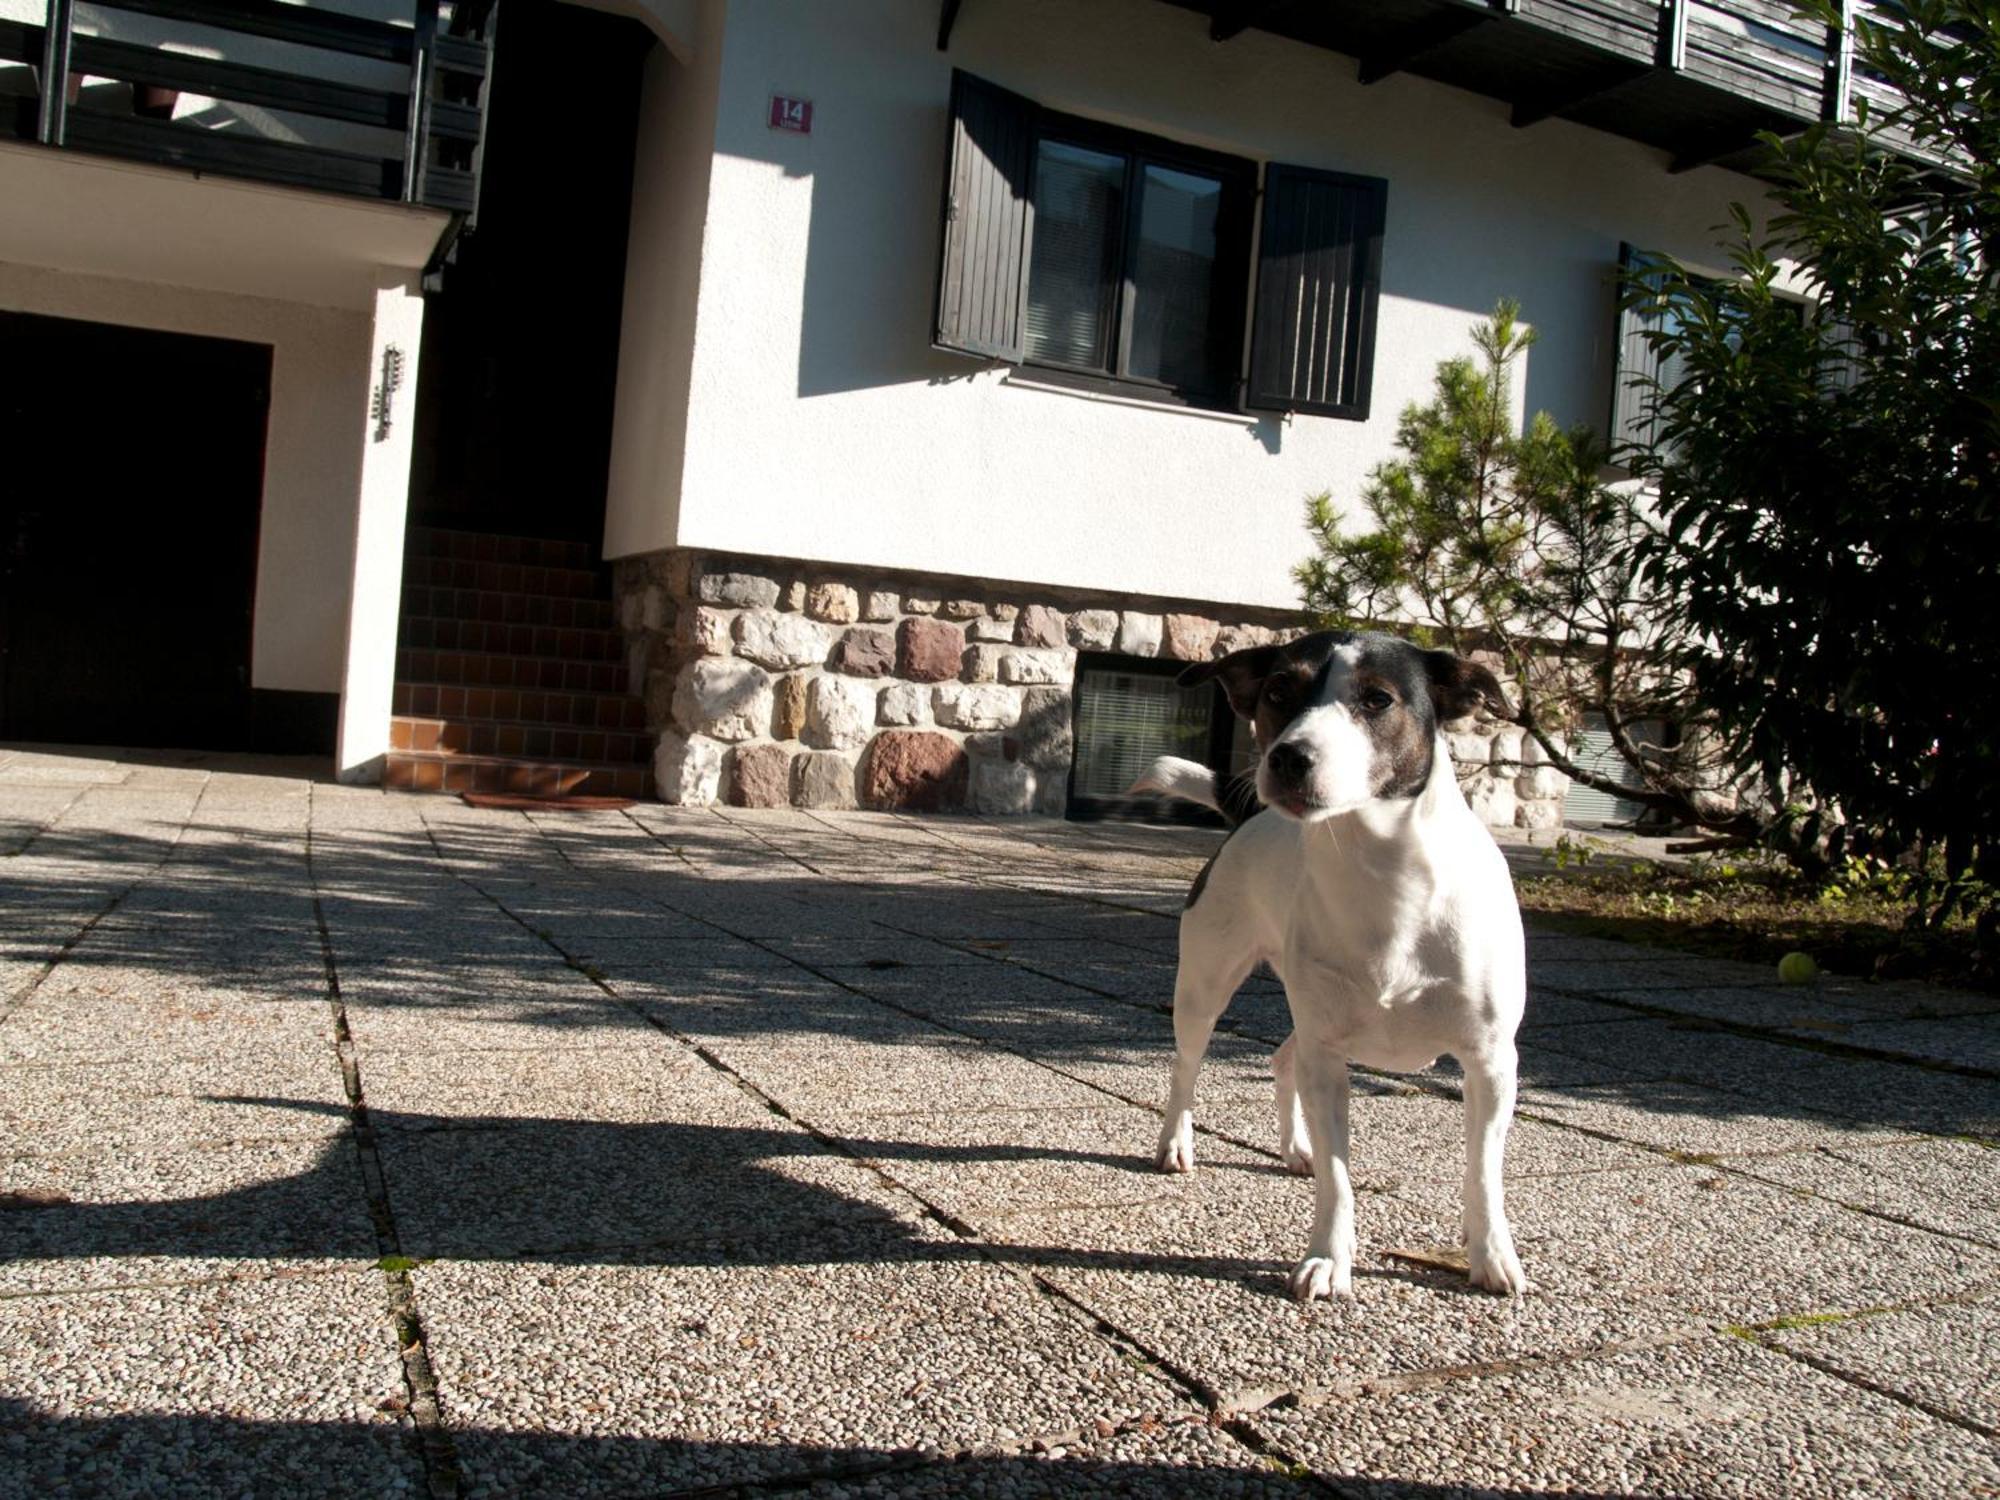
(1430,1260)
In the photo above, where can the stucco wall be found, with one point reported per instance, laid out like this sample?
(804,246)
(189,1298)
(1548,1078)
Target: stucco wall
(312,458)
(821,425)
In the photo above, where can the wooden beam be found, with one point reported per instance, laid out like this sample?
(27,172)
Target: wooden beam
(1837,103)
(1673,43)
(1426,37)
(1724,143)
(1536,108)
(947,18)
(52,116)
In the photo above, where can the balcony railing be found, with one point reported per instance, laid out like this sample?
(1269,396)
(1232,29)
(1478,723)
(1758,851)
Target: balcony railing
(1699,79)
(387,106)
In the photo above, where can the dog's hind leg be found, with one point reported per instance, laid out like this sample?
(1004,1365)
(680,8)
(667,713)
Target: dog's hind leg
(1489,1109)
(1294,1139)
(1206,982)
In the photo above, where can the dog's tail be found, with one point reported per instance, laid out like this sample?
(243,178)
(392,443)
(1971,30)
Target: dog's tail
(1170,776)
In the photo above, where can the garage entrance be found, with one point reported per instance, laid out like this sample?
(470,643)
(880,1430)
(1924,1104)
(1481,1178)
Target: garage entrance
(129,505)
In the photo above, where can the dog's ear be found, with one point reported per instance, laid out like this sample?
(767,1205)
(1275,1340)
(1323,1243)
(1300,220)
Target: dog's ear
(1242,674)
(1459,686)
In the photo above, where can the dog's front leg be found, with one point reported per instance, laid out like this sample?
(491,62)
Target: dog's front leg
(1294,1138)
(1489,1109)
(1202,990)
(1328,1267)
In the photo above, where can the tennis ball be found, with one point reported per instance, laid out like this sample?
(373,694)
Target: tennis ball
(1798,968)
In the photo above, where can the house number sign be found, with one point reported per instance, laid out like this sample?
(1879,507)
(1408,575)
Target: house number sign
(788,113)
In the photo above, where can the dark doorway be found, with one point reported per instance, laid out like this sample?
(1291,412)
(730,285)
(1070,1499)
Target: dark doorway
(128,518)
(520,351)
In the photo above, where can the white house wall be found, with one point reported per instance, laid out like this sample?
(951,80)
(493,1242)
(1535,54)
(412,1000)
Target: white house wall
(312,459)
(819,423)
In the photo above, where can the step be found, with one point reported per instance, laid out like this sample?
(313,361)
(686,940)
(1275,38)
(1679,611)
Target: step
(618,711)
(479,546)
(575,644)
(435,771)
(500,669)
(497,608)
(513,737)
(506,578)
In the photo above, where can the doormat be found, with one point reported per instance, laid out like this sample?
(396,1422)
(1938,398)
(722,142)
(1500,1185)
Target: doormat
(524,802)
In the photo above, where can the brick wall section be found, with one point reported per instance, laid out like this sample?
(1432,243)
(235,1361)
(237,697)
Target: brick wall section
(773,684)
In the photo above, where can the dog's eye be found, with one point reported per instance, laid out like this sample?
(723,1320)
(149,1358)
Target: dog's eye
(1375,700)
(1278,691)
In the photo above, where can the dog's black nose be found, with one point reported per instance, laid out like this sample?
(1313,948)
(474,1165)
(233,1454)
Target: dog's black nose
(1289,763)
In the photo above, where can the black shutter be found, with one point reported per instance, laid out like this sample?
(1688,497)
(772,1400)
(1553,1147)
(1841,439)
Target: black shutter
(1635,380)
(1319,277)
(988,220)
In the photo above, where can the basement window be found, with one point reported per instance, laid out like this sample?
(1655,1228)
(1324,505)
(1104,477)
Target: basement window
(1129,712)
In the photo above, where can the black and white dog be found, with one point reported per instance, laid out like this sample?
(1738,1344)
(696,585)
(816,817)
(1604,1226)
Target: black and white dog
(1381,901)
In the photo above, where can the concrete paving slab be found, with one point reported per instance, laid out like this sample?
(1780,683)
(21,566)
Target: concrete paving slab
(1714,1417)
(613,1379)
(1771,1008)
(1548,1008)
(916,1070)
(1657,972)
(672,1190)
(639,1084)
(120,1217)
(268,1387)
(444,1017)
(1947,1357)
(1949,1186)
(1694,1120)
(168,1104)
(1959,1042)
(159,1016)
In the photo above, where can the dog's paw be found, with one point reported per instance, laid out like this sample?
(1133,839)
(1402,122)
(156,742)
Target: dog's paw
(1298,1161)
(1320,1276)
(1494,1267)
(1175,1152)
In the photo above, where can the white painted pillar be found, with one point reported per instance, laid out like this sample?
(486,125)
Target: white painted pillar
(376,587)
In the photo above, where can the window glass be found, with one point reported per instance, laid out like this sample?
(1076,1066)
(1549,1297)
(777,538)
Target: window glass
(1173,273)
(1073,271)
(1125,720)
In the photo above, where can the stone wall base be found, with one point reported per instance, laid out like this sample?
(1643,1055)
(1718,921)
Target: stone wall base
(782,684)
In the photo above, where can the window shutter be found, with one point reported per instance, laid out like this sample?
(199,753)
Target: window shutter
(1842,370)
(1634,383)
(1319,277)
(988,220)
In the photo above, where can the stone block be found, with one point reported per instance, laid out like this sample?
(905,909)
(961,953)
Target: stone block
(1241,638)
(840,713)
(788,707)
(1188,637)
(1540,784)
(687,770)
(760,775)
(710,630)
(656,611)
(1140,634)
(629,607)
(1469,749)
(991,628)
(928,650)
(960,705)
(913,770)
(865,653)
(835,603)
(1044,728)
(1041,626)
(742,590)
(1505,748)
(962,609)
(921,604)
(1093,629)
(1493,800)
(1039,668)
(780,641)
(794,596)
(823,778)
(981,662)
(1538,815)
(903,704)
(724,699)
(880,605)
(1003,788)
(662,686)
(1052,796)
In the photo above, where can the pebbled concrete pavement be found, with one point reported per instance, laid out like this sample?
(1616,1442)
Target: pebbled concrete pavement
(363,1144)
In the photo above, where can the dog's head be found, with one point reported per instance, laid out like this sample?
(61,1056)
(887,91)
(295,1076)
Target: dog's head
(1345,719)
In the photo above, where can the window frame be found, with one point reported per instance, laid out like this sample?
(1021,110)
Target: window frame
(1088,808)
(1229,317)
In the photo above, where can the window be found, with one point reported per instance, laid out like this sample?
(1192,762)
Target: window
(1123,260)
(1129,712)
